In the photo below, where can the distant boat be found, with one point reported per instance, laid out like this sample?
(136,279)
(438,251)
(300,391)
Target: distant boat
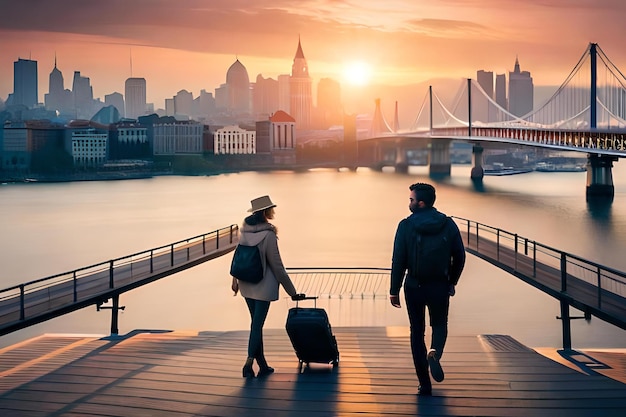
(556,167)
(498,169)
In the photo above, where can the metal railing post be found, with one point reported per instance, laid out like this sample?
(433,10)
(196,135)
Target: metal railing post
(534,259)
(498,245)
(204,244)
(187,249)
(217,239)
(599,288)
(111,283)
(75,287)
(22,306)
(172,254)
(526,246)
(563,272)
(151,260)
(476,236)
(516,249)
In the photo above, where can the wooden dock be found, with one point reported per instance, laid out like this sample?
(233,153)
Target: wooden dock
(179,374)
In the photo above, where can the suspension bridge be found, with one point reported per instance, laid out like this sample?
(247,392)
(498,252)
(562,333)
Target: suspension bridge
(586,114)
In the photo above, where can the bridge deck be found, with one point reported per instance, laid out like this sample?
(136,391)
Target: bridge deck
(199,374)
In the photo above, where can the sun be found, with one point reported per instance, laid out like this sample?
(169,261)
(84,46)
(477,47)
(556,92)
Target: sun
(357,73)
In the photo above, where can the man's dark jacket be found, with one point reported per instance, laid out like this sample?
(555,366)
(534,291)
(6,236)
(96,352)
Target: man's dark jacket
(424,221)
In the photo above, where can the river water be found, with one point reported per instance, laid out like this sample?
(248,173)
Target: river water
(324,218)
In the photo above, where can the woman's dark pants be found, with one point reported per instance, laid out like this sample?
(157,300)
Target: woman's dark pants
(258,314)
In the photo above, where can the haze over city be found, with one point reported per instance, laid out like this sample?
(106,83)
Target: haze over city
(368,46)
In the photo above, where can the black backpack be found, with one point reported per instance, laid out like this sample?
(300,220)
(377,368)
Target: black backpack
(433,254)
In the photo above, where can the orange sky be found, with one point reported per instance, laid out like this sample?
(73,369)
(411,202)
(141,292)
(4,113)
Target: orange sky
(189,44)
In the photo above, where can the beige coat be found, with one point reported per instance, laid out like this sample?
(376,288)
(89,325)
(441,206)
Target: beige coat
(264,236)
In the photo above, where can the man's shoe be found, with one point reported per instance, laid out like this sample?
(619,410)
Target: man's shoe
(264,371)
(435,367)
(424,391)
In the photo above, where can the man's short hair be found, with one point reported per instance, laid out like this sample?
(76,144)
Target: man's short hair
(424,192)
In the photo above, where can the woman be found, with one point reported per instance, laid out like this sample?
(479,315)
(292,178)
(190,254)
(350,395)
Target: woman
(257,231)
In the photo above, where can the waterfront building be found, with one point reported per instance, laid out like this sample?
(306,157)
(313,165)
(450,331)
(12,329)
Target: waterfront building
(282,138)
(301,101)
(15,151)
(25,87)
(135,96)
(521,91)
(128,140)
(88,147)
(233,140)
(177,138)
(117,100)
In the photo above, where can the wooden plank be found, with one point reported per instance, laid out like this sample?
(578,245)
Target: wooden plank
(179,375)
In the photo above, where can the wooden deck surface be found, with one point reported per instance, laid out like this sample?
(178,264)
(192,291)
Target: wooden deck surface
(162,373)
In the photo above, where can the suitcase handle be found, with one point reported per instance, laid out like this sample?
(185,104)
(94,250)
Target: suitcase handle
(308,298)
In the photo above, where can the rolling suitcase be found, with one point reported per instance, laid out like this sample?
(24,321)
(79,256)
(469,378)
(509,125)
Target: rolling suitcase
(311,335)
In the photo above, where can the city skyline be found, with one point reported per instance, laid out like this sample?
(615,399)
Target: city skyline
(190,45)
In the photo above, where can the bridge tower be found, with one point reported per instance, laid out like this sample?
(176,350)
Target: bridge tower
(599,167)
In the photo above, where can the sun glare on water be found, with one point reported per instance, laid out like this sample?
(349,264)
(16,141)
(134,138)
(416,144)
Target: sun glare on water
(357,73)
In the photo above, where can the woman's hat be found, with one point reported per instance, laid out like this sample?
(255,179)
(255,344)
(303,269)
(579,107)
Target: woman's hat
(261,203)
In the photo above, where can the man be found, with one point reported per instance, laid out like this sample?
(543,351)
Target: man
(428,245)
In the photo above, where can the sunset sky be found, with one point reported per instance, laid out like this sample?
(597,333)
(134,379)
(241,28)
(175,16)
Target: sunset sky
(190,44)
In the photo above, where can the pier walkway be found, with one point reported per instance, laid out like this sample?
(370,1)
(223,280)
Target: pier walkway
(594,289)
(36,301)
(161,373)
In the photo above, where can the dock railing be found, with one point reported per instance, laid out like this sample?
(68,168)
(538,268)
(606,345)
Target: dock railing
(593,288)
(342,282)
(39,300)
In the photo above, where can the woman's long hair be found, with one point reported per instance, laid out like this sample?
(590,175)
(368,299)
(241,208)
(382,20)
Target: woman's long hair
(261,216)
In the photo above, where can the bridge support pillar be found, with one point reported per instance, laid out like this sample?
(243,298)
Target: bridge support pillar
(600,177)
(440,158)
(401,164)
(477,170)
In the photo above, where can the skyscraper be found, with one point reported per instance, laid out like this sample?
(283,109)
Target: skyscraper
(520,91)
(301,101)
(57,98)
(484,112)
(264,97)
(284,99)
(238,83)
(501,91)
(25,89)
(135,97)
(83,96)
